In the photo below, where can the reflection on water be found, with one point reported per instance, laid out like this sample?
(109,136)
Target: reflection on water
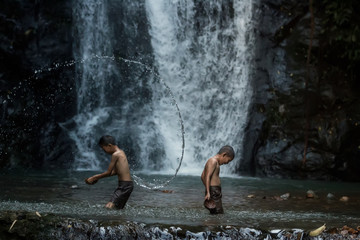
(65,193)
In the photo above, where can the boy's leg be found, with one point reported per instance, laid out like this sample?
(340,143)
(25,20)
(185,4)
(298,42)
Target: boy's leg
(215,193)
(121,195)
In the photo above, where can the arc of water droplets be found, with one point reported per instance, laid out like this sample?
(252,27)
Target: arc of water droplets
(137,179)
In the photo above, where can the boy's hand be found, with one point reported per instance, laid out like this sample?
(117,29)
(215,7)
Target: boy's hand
(207,196)
(90,181)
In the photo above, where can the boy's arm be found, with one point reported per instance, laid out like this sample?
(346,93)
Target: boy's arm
(109,172)
(113,172)
(209,171)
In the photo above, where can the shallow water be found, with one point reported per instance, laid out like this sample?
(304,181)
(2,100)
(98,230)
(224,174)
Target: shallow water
(65,193)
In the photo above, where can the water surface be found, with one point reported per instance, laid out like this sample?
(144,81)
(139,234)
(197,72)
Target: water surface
(180,202)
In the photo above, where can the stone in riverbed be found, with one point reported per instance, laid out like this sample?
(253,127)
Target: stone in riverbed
(285,196)
(330,196)
(344,199)
(310,194)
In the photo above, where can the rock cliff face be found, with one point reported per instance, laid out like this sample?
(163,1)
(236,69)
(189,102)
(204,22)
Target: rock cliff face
(300,106)
(33,35)
(296,105)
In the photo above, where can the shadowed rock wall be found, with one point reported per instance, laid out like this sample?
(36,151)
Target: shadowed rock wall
(286,110)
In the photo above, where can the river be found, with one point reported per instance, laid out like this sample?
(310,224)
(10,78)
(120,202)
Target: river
(248,202)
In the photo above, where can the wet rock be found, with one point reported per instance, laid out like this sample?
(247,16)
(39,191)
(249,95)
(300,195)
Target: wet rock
(311,194)
(63,228)
(350,230)
(285,196)
(330,196)
(277,198)
(344,199)
(33,216)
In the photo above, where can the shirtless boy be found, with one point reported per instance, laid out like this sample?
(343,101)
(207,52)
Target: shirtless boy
(211,180)
(118,166)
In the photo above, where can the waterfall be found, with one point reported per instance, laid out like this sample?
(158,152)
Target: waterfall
(203,50)
(92,34)
(114,97)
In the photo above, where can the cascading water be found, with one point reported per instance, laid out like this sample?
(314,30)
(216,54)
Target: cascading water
(204,50)
(92,33)
(117,96)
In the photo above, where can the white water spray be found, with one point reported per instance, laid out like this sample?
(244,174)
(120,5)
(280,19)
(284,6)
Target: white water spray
(117,96)
(91,32)
(205,53)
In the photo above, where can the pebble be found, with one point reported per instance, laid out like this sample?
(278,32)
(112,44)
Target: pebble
(277,198)
(330,196)
(310,194)
(167,191)
(285,196)
(344,199)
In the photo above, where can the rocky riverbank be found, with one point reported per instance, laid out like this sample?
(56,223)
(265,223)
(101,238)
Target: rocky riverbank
(34,225)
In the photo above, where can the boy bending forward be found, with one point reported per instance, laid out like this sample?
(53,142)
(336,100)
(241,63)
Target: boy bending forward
(118,166)
(211,180)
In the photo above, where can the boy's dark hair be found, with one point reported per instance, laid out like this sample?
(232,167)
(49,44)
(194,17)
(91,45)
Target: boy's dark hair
(106,140)
(228,150)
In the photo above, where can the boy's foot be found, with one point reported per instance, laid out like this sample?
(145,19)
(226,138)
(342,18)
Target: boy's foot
(110,205)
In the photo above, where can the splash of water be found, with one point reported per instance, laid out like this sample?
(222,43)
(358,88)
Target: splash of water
(84,126)
(162,184)
(87,124)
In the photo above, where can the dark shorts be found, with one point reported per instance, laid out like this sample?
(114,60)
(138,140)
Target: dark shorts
(122,194)
(215,195)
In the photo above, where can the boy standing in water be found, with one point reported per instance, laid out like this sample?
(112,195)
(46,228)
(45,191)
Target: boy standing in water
(211,180)
(118,166)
